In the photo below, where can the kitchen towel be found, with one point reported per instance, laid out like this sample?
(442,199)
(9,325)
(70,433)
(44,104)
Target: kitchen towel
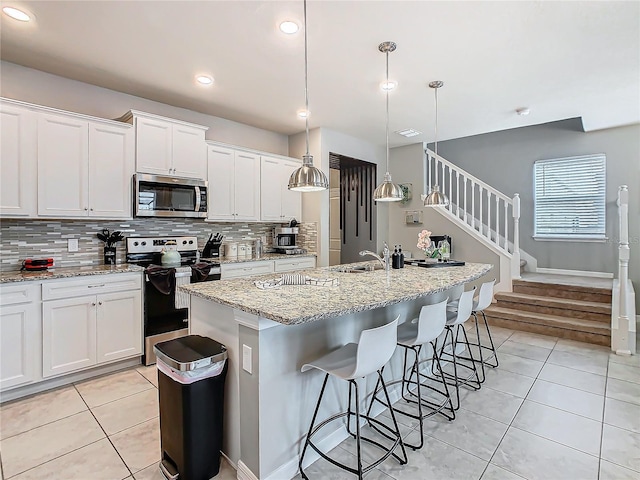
(296,279)
(164,279)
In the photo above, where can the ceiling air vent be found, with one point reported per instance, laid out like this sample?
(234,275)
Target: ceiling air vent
(408,132)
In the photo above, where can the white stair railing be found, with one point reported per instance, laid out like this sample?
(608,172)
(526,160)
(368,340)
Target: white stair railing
(490,214)
(623,308)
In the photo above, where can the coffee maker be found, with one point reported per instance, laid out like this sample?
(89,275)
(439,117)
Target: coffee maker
(285,240)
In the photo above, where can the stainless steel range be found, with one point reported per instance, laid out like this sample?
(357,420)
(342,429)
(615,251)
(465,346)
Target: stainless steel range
(166,310)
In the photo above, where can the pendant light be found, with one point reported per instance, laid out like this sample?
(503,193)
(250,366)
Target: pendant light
(436,198)
(387,191)
(307,178)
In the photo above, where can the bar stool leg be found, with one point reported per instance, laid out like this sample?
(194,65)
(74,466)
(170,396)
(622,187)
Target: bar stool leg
(313,421)
(493,348)
(473,362)
(475,319)
(358,447)
(436,358)
(399,441)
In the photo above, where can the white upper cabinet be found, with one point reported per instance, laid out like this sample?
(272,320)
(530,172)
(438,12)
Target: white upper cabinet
(85,168)
(168,147)
(63,162)
(234,184)
(278,203)
(17,161)
(111,168)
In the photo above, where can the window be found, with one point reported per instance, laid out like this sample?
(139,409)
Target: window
(570,197)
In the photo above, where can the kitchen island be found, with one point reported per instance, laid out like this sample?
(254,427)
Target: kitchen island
(270,333)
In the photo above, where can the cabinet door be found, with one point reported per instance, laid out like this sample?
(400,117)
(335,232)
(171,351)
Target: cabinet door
(153,146)
(17,161)
(111,169)
(247,186)
(221,184)
(19,344)
(119,325)
(270,189)
(189,152)
(291,200)
(68,335)
(62,166)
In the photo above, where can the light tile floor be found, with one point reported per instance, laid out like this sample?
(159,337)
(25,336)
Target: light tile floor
(554,409)
(102,429)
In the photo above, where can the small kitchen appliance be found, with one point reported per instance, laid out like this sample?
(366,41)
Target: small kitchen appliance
(166,311)
(212,247)
(285,240)
(37,264)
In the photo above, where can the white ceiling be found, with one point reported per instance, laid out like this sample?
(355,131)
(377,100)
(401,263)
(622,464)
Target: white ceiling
(560,59)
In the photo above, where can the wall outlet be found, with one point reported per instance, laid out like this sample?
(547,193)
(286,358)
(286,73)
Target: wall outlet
(72,245)
(246,358)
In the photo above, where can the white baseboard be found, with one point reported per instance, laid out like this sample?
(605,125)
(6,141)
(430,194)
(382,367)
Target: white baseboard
(576,273)
(56,382)
(244,472)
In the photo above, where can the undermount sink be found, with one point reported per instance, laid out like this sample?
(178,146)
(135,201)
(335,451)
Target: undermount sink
(359,268)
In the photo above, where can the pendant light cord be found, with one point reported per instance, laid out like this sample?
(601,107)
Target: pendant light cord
(436,139)
(387,92)
(306,82)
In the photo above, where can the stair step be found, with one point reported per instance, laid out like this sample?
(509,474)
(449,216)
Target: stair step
(571,328)
(558,290)
(596,311)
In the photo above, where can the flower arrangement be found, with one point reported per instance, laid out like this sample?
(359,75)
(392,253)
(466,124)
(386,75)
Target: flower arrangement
(425,244)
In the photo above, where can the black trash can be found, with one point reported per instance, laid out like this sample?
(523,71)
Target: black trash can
(191,374)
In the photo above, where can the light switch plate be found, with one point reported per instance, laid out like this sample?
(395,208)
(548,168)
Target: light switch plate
(72,245)
(246,358)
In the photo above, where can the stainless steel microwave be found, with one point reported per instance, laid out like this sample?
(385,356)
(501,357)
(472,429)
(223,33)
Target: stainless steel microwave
(163,196)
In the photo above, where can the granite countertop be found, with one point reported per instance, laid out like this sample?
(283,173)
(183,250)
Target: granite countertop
(68,272)
(264,256)
(357,292)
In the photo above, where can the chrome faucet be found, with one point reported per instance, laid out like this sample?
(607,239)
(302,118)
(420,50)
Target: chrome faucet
(384,262)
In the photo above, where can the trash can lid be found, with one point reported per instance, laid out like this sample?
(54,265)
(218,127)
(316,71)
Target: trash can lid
(190,352)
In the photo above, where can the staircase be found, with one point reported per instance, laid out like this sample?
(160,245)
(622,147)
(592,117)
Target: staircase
(575,308)
(586,309)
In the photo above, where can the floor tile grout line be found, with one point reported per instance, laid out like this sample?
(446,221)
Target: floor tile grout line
(55,458)
(107,436)
(563,410)
(604,407)
(43,425)
(117,399)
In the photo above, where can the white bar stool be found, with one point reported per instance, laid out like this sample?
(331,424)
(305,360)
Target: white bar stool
(356,360)
(482,301)
(454,327)
(413,335)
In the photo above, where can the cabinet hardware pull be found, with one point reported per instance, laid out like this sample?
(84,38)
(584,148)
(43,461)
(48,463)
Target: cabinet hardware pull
(99,303)
(95,286)
(93,304)
(85,209)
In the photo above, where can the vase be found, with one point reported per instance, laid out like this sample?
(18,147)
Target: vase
(109,255)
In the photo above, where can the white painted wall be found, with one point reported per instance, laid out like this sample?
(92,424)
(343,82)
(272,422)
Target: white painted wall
(34,86)
(315,205)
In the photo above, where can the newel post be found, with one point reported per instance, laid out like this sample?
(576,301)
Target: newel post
(515,261)
(622,346)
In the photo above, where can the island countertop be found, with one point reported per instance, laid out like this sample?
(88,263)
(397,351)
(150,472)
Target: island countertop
(356,292)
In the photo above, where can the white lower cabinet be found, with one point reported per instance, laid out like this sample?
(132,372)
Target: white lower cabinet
(246,269)
(86,330)
(68,335)
(20,335)
(290,265)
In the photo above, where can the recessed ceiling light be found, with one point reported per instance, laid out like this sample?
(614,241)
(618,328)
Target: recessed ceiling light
(390,85)
(289,27)
(16,14)
(408,132)
(523,111)
(303,113)
(204,79)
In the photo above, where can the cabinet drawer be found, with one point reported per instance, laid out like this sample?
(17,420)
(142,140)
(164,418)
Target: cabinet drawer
(247,269)
(287,265)
(22,293)
(92,285)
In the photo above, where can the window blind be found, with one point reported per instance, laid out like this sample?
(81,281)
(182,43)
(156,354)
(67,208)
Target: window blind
(570,195)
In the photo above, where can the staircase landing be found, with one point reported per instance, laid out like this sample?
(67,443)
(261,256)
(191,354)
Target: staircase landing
(571,307)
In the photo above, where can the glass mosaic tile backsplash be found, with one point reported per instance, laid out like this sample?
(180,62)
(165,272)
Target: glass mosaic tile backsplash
(20,239)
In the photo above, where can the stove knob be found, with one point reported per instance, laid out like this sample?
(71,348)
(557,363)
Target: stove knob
(184,242)
(135,244)
(190,242)
(144,243)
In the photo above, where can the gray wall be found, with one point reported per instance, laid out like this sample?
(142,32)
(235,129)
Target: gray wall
(505,160)
(34,86)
